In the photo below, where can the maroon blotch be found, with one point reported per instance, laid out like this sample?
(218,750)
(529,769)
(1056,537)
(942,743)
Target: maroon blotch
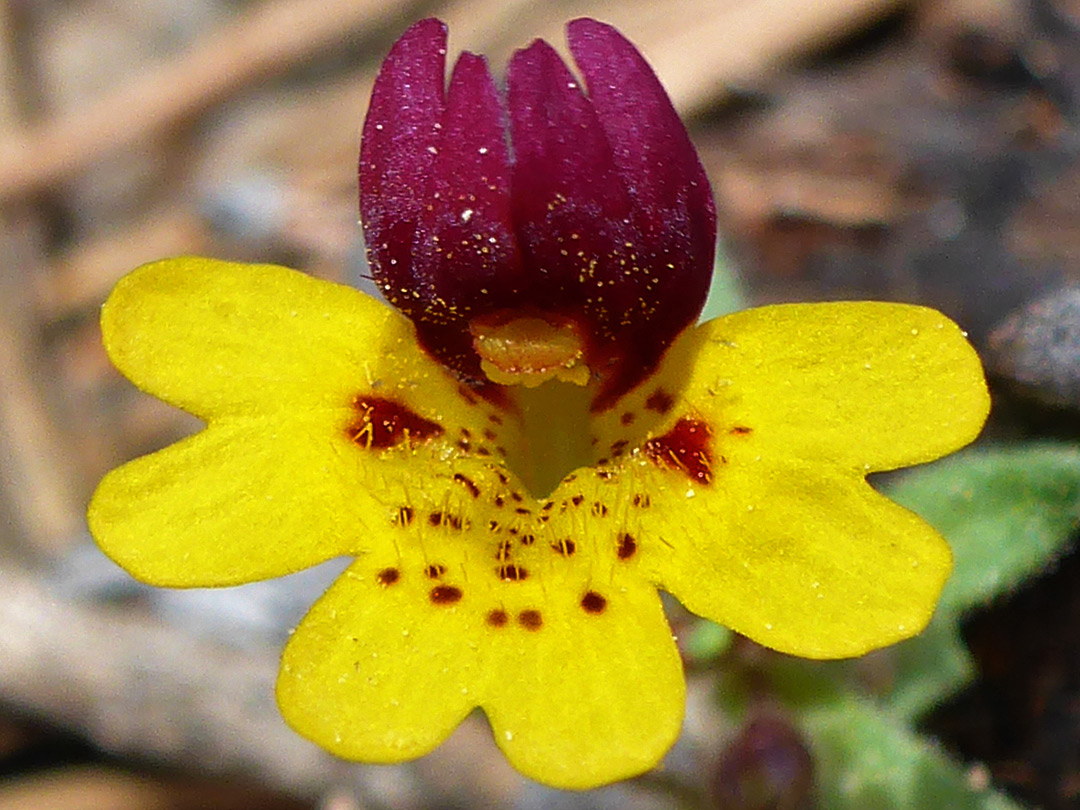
(387,577)
(384,423)
(530,619)
(685,447)
(445,595)
(594,603)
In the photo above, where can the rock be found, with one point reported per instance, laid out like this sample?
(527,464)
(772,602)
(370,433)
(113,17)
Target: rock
(1038,348)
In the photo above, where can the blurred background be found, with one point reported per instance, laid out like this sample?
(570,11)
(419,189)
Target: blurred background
(923,152)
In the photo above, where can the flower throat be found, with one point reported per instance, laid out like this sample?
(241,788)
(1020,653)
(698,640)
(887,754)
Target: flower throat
(541,361)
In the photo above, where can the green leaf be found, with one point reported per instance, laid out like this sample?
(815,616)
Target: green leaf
(707,641)
(928,670)
(867,759)
(726,294)
(1007,514)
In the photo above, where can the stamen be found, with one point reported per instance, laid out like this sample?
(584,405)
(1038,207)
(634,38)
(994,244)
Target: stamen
(530,351)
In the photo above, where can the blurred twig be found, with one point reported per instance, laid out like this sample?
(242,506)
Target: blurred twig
(138,686)
(268,40)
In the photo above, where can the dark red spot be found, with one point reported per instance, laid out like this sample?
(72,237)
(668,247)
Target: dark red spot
(455,522)
(617,448)
(435,571)
(517,496)
(493,525)
(384,423)
(594,603)
(499,501)
(527,539)
(578,500)
(468,483)
(627,546)
(500,450)
(660,401)
(511,573)
(463,444)
(493,394)
(497,618)
(599,509)
(502,477)
(503,551)
(642,500)
(467,395)
(388,576)
(530,619)
(466,433)
(685,447)
(445,594)
(741,430)
(566,547)
(489,434)
(521,510)
(494,419)
(628,418)
(605,475)
(547,506)
(404,516)
(483,451)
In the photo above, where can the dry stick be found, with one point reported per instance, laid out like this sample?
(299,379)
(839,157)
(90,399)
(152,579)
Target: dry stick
(700,50)
(82,277)
(35,466)
(267,40)
(744,41)
(138,688)
(150,690)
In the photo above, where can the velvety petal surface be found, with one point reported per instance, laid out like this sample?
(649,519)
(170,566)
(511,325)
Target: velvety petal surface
(862,385)
(398,151)
(222,339)
(385,666)
(330,430)
(571,206)
(735,473)
(800,558)
(248,499)
(674,215)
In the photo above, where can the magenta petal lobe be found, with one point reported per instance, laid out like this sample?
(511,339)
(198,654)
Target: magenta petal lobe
(397,152)
(598,218)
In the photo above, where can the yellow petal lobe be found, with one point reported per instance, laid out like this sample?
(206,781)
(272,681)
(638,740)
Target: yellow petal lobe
(326,421)
(580,681)
(865,385)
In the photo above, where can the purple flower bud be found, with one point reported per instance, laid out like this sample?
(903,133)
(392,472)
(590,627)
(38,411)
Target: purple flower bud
(767,767)
(591,214)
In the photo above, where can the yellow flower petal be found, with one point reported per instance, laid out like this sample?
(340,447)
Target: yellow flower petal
(732,477)
(328,424)
(237,502)
(218,339)
(581,682)
(799,558)
(864,385)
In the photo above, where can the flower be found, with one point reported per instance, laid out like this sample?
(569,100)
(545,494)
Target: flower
(542,440)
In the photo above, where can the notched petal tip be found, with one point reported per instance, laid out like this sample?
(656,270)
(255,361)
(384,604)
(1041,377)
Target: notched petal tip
(867,385)
(813,561)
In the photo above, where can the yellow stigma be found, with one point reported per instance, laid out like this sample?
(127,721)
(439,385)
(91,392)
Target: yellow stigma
(530,351)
